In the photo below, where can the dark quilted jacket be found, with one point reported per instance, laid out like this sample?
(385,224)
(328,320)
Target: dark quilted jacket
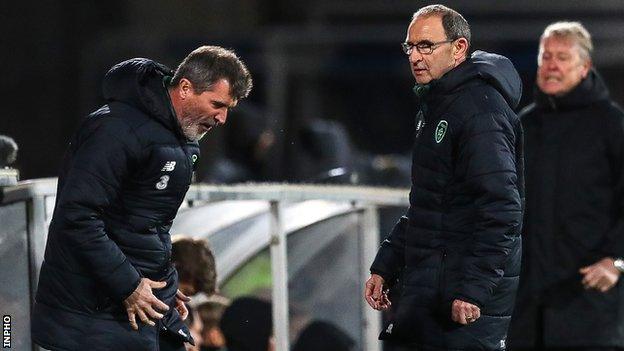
(125,174)
(461,236)
(574,218)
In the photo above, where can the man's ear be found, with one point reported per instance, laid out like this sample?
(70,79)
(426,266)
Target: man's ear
(587,65)
(460,47)
(185,88)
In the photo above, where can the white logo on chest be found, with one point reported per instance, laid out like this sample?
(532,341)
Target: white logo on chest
(169,166)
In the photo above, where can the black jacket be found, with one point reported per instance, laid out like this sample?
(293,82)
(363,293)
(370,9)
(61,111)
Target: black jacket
(461,236)
(574,218)
(123,178)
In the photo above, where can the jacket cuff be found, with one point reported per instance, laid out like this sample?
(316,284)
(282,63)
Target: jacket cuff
(472,295)
(469,300)
(384,275)
(613,249)
(123,281)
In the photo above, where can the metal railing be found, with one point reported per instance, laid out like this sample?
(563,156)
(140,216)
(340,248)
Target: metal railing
(38,199)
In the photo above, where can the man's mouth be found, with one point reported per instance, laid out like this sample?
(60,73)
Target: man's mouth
(552,79)
(207,126)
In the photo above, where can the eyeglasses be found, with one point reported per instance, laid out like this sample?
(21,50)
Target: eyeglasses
(423,47)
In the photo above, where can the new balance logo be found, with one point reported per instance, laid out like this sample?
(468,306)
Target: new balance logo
(389,329)
(169,166)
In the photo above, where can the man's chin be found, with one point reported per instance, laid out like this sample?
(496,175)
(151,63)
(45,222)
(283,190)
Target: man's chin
(421,79)
(200,136)
(193,133)
(195,136)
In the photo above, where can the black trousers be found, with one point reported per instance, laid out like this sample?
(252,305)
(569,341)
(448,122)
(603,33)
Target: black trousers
(572,349)
(168,342)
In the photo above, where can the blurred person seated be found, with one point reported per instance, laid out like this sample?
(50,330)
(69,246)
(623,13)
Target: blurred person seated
(8,151)
(195,326)
(321,335)
(195,264)
(247,325)
(326,154)
(8,155)
(210,313)
(247,146)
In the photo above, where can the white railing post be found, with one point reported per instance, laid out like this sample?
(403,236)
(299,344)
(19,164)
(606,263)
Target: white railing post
(368,244)
(279,272)
(37,234)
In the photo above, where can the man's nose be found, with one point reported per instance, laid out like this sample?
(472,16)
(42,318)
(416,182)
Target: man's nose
(415,56)
(221,117)
(552,65)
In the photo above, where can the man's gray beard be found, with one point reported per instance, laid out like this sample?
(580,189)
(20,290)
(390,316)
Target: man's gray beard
(191,131)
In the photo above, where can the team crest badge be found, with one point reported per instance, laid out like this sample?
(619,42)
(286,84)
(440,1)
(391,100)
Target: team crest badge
(440,131)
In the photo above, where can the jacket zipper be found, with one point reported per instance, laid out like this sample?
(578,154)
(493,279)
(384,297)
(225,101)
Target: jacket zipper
(552,103)
(441,273)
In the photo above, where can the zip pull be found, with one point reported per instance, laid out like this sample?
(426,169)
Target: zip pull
(420,122)
(552,102)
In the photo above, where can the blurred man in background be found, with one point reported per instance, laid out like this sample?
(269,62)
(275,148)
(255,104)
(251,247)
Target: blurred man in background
(569,294)
(211,313)
(8,155)
(323,335)
(459,244)
(195,264)
(107,282)
(8,151)
(195,326)
(247,325)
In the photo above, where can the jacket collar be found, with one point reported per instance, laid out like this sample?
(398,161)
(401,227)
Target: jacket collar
(589,91)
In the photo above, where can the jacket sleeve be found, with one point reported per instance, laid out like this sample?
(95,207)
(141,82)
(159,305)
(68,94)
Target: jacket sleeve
(614,239)
(390,257)
(487,163)
(100,162)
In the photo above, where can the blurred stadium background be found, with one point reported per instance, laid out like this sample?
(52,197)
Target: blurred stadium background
(321,68)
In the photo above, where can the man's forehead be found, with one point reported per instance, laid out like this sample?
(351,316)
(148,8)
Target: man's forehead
(557,40)
(426,28)
(558,43)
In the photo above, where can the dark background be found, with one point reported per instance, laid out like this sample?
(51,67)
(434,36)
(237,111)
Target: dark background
(330,59)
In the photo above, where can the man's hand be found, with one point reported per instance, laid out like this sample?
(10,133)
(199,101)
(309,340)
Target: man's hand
(181,301)
(142,303)
(601,275)
(375,294)
(464,313)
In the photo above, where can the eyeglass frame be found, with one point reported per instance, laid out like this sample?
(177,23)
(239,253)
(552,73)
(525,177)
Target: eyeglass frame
(408,47)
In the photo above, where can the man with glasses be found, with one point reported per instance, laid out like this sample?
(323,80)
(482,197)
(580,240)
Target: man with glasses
(456,253)
(570,296)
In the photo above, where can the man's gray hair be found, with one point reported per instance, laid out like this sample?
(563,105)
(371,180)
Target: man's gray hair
(574,31)
(204,66)
(454,24)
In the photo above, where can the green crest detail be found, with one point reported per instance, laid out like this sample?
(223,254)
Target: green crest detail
(194,158)
(440,131)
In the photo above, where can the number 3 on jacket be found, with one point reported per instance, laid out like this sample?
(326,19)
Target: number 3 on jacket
(162,184)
